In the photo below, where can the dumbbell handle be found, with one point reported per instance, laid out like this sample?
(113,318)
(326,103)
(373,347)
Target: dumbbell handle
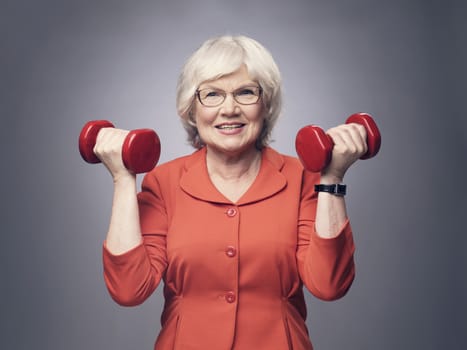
(140,150)
(314,146)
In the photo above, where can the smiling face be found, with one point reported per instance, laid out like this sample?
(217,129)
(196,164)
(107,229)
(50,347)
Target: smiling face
(231,128)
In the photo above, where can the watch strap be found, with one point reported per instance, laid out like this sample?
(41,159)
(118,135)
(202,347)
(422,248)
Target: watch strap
(336,189)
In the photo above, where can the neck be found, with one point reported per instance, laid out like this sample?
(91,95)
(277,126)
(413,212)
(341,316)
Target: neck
(233,167)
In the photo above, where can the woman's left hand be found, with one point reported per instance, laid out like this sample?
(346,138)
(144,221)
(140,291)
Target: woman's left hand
(349,145)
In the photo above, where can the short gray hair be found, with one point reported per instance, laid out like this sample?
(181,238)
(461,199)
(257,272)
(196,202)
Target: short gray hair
(221,56)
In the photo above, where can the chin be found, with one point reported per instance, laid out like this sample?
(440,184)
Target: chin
(235,149)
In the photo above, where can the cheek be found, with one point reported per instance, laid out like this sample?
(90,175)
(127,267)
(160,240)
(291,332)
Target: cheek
(203,116)
(257,116)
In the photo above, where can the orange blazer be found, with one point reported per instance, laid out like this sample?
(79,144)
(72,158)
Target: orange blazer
(233,272)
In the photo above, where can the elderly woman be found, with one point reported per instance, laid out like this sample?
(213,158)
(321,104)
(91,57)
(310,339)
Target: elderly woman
(235,229)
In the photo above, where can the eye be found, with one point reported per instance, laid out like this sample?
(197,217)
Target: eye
(246,91)
(211,93)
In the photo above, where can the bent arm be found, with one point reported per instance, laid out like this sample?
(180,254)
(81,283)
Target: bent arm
(134,263)
(326,246)
(325,243)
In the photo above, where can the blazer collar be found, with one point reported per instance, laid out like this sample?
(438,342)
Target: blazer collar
(196,182)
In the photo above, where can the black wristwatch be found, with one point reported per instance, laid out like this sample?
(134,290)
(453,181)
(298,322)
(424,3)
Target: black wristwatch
(336,189)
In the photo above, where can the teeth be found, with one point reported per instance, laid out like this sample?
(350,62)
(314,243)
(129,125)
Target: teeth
(229,127)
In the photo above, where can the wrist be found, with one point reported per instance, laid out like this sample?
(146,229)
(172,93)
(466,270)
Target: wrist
(329,179)
(124,179)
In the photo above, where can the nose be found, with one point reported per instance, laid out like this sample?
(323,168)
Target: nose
(230,107)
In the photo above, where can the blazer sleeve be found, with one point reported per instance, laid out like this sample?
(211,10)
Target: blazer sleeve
(133,276)
(326,265)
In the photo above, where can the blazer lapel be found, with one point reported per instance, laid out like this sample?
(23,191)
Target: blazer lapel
(196,182)
(270,179)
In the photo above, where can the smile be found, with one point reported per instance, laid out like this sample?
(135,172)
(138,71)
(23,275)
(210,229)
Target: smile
(229,126)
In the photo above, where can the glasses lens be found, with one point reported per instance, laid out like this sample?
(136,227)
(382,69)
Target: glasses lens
(248,95)
(210,97)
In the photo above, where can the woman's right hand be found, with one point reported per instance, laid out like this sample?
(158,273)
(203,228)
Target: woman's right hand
(108,149)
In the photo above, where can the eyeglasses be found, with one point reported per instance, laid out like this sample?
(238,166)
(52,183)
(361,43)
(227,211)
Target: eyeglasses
(246,95)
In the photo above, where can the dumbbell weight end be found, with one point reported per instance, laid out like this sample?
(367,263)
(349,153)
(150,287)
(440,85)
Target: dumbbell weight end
(314,148)
(373,136)
(87,139)
(141,150)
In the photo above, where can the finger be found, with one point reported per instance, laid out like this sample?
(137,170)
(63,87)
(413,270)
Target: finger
(357,133)
(349,139)
(109,142)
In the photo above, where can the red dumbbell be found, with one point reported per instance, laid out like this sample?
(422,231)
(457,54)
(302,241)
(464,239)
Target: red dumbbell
(140,152)
(314,146)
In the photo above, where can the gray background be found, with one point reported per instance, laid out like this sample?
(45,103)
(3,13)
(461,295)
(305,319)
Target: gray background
(66,62)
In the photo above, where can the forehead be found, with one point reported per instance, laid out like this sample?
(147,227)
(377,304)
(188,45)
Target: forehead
(230,81)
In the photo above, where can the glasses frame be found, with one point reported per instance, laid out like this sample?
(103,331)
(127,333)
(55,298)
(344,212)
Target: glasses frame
(233,93)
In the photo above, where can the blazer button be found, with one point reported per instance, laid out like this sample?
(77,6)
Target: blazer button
(231,212)
(230,297)
(230,251)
